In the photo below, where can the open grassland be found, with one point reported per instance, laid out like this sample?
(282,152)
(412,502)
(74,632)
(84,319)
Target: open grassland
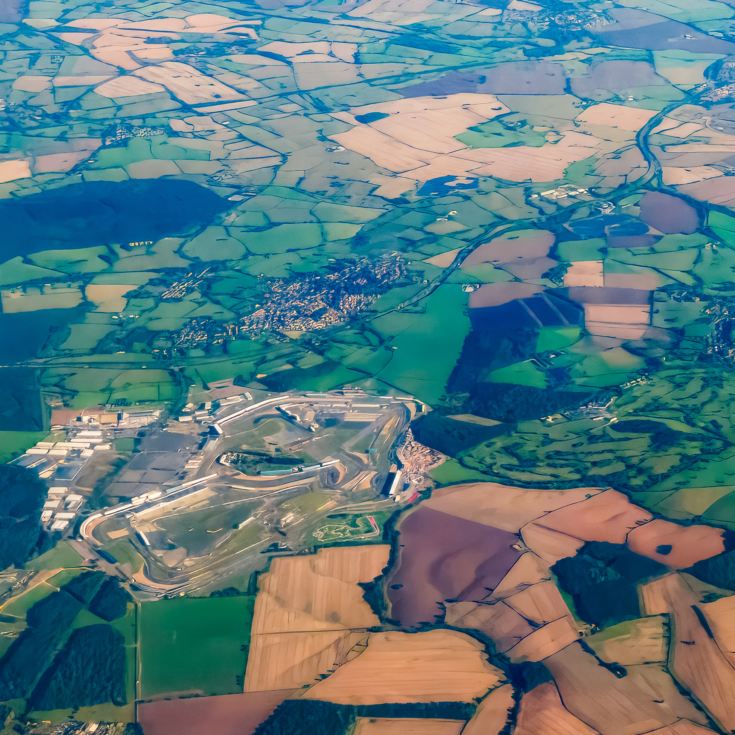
(194,645)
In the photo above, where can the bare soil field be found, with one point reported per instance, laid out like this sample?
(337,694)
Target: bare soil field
(527,245)
(445,557)
(492,585)
(496,294)
(439,665)
(668,214)
(231,714)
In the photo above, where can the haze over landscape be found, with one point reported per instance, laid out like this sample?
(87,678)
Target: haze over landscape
(367,367)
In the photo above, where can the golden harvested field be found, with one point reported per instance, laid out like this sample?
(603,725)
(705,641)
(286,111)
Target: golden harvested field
(14,170)
(294,660)
(632,642)
(16,301)
(404,726)
(617,116)
(720,615)
(444,260)
(584,273)
(542,713)
(439,665)
(675,176)
(696,659)
(127,86)
(528,163)
(310,615)
(548,544)
(643,700)
(683,727)
(540,602)
(32,83)
(528,570)
(124,42)
(109,298)
(58,162)
(698,163)
(502,506)
(492,713)
(609,516)
(496,619)
(689,544)
(417,136)
(546,641)
(187,84)
(319,591)
(623,314)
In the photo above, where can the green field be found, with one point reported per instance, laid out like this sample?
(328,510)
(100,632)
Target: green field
(194,645)
(345,527)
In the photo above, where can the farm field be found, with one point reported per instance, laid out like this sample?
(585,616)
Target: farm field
(366,368)
(310,615)
(194,645)
(403,668)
